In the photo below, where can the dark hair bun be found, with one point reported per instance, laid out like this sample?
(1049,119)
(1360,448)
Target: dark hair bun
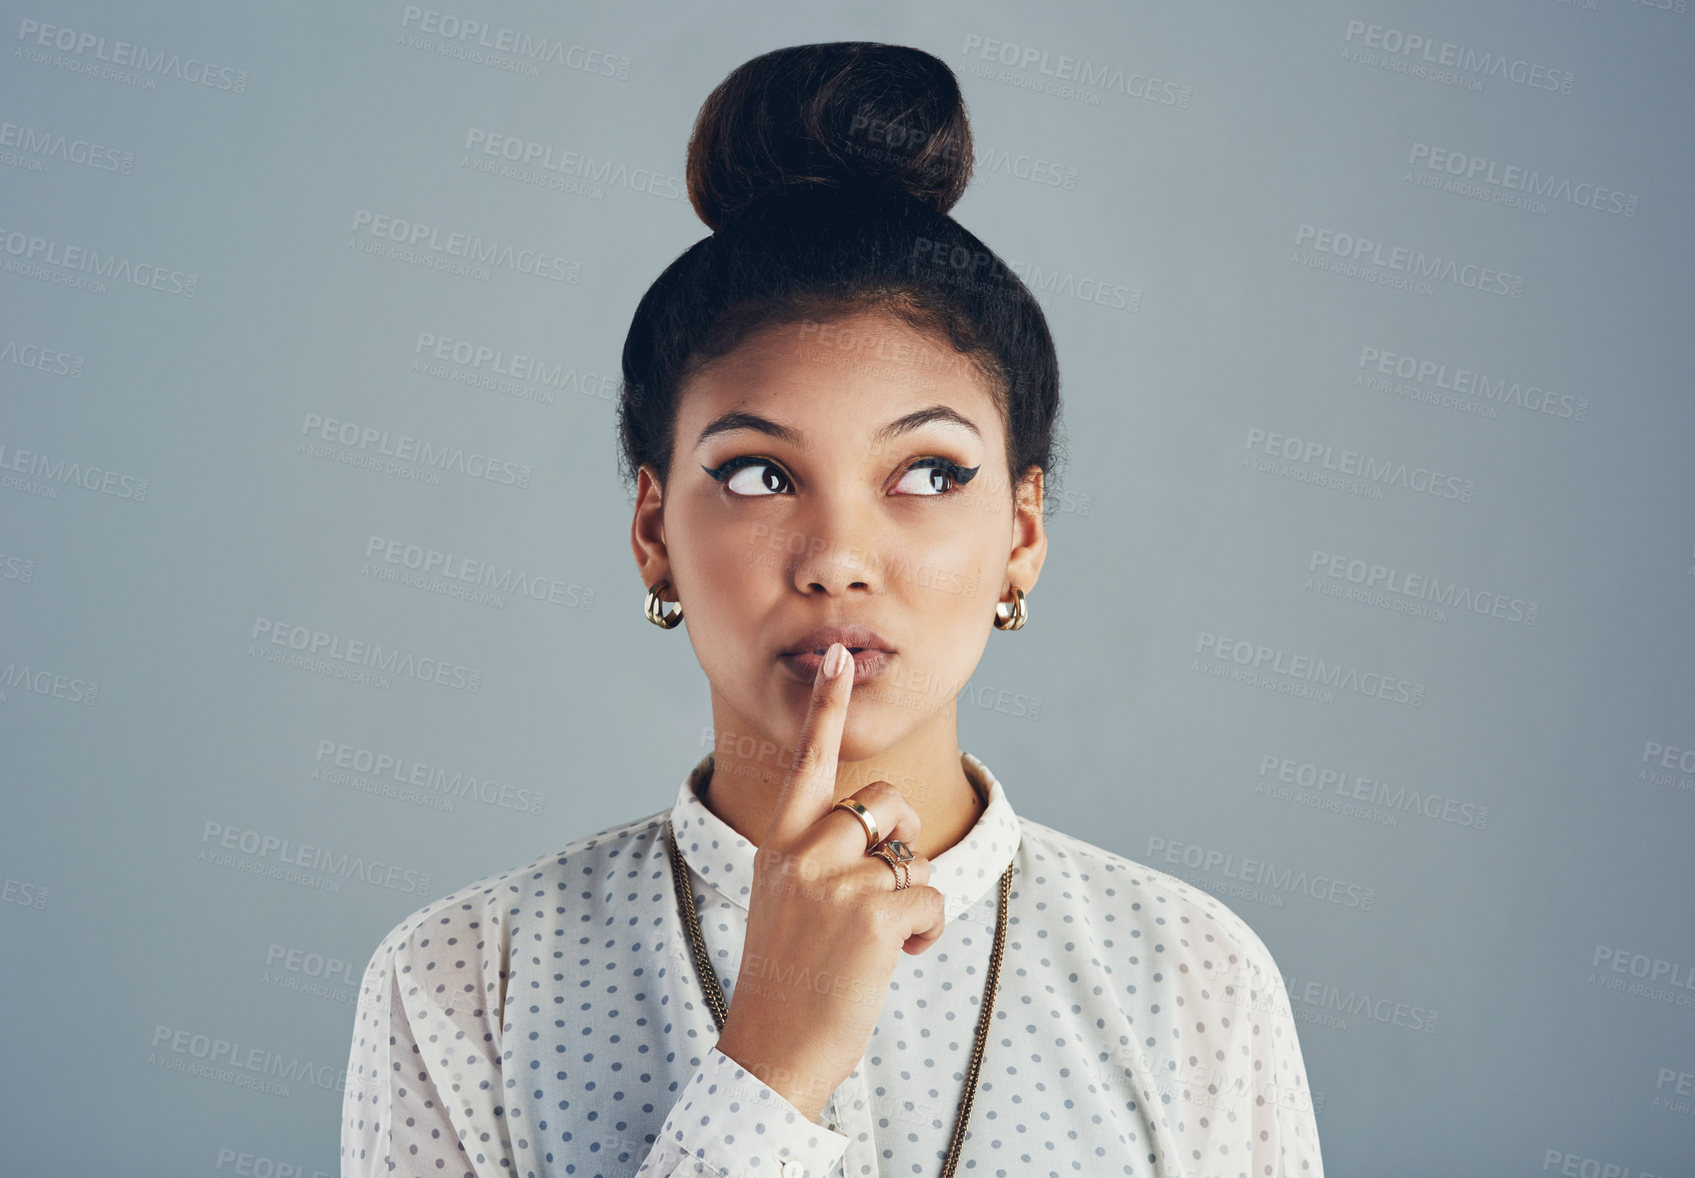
(848,115)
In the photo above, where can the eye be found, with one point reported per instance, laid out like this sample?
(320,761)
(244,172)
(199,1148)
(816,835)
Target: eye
(750,485)
(932,473)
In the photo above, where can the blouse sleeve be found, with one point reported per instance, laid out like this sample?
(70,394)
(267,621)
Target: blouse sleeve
(730,1124)
(423,1087)
(424,1083)
(1256,1069)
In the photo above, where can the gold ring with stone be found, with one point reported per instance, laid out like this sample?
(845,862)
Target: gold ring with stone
(901,851)
(898,856)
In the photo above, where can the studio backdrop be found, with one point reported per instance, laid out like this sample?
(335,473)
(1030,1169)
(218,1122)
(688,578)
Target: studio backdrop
(1369,605)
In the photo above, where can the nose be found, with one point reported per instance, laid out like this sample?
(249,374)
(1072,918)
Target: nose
(840,553)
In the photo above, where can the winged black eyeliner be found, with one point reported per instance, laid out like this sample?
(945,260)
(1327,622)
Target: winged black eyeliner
(958,475)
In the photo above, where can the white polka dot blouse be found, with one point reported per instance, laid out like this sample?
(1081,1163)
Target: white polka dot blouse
(549,1021)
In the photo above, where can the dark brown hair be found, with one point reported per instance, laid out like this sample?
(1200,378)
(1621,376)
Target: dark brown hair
(826,173)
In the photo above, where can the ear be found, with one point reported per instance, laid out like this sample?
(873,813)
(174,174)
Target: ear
(647,532)
(1029,536)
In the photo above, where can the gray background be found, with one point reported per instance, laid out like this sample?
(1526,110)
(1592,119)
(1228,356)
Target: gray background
(1470,1020)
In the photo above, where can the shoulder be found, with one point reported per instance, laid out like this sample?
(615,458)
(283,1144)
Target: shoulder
(1203,1029)
(1171,916)
(477,917)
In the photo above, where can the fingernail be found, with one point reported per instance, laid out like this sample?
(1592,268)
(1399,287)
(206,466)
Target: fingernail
(833,660)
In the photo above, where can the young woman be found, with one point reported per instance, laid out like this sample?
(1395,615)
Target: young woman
(839,951)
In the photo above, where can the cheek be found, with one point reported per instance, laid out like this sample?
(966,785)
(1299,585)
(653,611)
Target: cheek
(948,590)
(713,550)
(739,549)
(954,573)
(733,574)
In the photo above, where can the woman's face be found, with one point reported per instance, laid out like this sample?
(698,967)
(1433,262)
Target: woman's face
(839,448)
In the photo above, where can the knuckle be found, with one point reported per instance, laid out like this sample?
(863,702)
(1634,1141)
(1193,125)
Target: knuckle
(807,753)
(875,791)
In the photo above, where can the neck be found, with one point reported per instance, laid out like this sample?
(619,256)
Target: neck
(929,773)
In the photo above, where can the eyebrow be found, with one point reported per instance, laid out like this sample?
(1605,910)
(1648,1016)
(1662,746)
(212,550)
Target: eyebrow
(738,420)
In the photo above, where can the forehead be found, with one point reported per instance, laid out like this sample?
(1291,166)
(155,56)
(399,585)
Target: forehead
(843,376)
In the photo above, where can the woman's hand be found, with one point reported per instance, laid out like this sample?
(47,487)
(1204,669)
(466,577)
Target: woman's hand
(824,920)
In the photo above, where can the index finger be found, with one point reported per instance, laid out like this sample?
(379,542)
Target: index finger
(809,791)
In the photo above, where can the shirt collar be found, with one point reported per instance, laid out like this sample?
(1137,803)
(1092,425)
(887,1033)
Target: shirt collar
(966,873)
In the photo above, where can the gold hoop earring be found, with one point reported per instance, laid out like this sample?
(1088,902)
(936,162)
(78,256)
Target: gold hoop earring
(1017,617)
(656,608)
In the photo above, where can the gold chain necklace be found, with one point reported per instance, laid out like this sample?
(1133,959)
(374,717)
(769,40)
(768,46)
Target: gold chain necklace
(720,1010)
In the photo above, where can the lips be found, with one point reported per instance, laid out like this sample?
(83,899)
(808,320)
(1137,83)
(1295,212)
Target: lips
(855,638)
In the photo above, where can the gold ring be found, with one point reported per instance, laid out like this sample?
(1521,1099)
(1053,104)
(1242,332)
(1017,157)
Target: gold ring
(889,853)
(866,818)
(901,851)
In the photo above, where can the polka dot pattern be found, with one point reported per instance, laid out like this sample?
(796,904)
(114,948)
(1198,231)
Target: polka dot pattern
(547,1021)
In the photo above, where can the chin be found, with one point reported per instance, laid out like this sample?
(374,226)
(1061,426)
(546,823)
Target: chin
(872,734)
